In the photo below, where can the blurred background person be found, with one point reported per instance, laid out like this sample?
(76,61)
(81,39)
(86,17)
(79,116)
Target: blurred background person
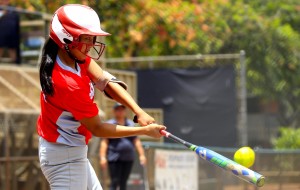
(10,32)
(119,153)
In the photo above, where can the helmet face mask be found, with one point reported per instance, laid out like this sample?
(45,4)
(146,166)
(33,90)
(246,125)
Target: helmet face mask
(92,50)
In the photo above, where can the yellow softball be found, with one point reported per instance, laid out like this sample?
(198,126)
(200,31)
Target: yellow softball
(244,156)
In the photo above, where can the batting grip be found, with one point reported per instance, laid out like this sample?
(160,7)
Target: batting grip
(163,133)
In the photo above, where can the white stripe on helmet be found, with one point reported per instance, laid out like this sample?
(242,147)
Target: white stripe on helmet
(85,17)
(59,30)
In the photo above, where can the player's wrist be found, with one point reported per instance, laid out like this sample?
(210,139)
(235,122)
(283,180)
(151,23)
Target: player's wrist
(146,130)
(138,111)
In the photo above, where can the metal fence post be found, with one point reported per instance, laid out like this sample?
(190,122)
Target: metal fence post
(7,152)
(243,133)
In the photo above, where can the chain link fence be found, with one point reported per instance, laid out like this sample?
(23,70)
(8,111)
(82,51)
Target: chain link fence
(19,167)
(238,60)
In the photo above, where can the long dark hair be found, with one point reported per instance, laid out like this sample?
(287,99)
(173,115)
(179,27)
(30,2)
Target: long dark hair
(50,51)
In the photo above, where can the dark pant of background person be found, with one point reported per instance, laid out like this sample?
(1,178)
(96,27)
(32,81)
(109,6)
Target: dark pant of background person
(119,174)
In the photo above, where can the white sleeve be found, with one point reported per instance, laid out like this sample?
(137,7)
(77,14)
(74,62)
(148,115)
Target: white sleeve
(107,77)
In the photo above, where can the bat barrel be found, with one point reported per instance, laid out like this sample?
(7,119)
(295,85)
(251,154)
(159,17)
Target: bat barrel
(221,161)
(229,165)
(260,181)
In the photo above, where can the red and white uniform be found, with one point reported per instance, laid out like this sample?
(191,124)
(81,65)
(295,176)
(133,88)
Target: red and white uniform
(72,101)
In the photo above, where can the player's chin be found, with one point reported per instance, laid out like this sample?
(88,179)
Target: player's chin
(81,58)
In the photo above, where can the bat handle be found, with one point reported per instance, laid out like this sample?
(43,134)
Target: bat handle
(164,133)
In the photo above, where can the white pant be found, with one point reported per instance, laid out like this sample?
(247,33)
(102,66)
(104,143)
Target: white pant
(66,167)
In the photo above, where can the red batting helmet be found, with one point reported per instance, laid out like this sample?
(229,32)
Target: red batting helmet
(72,20)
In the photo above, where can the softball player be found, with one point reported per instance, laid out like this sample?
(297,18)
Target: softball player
(69,117)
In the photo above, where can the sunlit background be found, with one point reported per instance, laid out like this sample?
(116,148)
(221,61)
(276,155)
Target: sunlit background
(219,73)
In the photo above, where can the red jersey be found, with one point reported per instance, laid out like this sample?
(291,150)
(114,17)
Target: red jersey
(72,101)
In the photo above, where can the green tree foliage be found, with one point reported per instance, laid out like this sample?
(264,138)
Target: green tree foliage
(145,28)
(272,46)
(289,139)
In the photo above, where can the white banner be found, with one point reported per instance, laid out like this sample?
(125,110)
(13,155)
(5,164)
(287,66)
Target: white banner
(176,170)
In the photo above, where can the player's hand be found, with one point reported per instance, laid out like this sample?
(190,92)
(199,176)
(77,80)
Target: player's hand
(144,119)
(152,130)
(103,163)
(143,160)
